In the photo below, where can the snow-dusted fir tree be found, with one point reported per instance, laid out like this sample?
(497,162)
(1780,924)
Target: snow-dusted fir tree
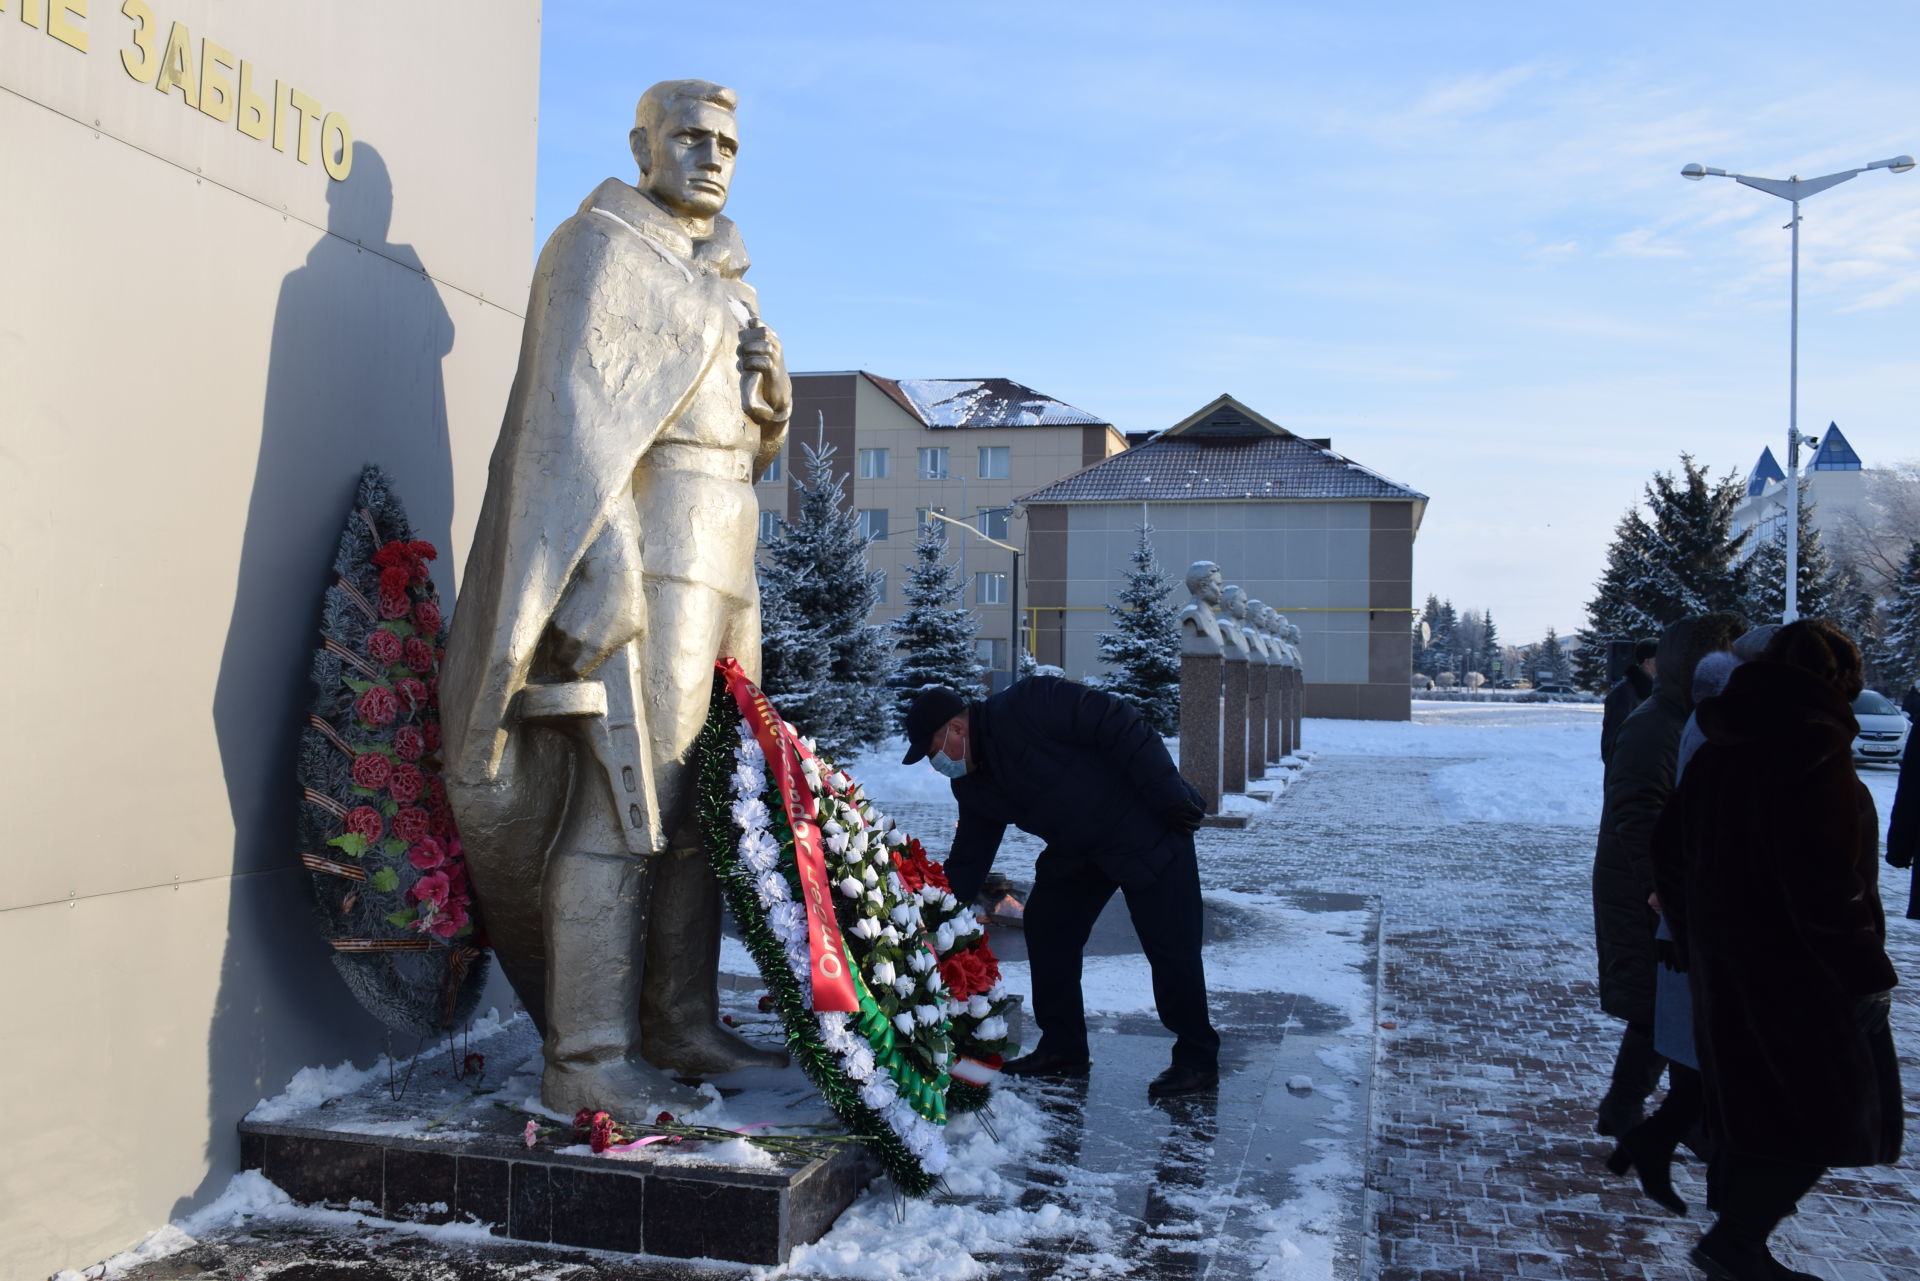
(1898,652)
(936,636)
(1489,644)
(817,565)
(1551,662)
(1142,653)
(1765,600)
(795,660)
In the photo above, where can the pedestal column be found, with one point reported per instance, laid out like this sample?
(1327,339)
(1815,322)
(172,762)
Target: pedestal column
(1297,691)
(1200,726)
(1258,676)
(1276,746)
(1233,728)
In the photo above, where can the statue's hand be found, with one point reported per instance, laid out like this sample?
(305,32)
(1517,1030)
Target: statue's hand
(604,607)
(767,398)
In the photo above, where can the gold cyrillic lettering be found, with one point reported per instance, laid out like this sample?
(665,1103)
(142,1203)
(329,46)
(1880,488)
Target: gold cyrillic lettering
(255,116)
(60,29)
(309,124)
(216,90)
(148,66)
(282,114)
(176,65)
(339,164)
(33,12)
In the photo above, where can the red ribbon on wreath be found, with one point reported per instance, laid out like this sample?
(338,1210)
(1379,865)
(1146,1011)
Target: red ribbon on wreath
(832,968)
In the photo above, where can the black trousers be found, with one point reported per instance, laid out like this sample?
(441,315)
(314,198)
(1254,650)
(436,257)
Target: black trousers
(1755,1193)
(1166,915)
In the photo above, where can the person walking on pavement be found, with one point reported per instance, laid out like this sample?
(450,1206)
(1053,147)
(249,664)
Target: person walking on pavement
(1084,772)
(1631,691)
(1639,779)
(1767,866)
(1903,829)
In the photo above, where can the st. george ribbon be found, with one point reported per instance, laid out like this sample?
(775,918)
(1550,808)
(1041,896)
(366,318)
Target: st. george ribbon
(832,970)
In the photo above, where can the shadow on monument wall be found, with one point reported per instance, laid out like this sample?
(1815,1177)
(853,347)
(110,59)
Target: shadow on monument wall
(355,377)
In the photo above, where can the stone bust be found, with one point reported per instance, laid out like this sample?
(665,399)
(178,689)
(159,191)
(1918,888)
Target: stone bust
(1232,634)
(612,564)
(1199,625)
(1258,638)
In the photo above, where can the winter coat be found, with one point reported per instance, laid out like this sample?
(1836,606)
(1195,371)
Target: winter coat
(1621,700)
(1767,864)
(1077,768)
(1639,779)
(1903,832)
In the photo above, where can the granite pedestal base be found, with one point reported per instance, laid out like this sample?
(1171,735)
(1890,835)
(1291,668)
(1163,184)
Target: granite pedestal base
(1233,728)
(471,1163)
(1200,726)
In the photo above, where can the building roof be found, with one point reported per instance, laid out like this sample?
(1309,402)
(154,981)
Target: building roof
(984,402)
(1765,472)
(1834,453)
(1225,452)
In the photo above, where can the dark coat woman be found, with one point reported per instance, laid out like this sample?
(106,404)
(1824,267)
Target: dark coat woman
(1767,867)
(1903,833)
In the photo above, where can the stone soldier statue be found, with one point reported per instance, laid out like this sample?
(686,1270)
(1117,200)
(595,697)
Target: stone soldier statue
(1199,625)
(613,562)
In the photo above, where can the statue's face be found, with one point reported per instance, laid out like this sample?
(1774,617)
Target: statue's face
(1210,586)
(1236,602)
(689,157)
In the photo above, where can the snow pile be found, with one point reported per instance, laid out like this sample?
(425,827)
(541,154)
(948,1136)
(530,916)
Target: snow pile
(312,1086)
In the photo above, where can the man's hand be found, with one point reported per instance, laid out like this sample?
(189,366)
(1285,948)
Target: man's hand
(1184,817)
(767,398)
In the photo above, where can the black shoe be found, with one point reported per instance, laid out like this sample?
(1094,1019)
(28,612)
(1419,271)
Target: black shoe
(1047,1063)
(1614,1119)
(1654,1168)
(1180,1079)
(1724,1259)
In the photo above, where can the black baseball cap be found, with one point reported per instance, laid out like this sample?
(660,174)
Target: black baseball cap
(931,709)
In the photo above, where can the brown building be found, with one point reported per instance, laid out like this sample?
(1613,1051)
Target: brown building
(1322,539)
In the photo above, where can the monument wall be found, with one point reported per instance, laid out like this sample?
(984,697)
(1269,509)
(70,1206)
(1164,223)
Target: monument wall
(247,247)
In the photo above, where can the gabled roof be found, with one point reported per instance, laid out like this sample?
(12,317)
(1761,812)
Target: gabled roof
(1224,452)
(1834,453)
(1765,472)
(988,402)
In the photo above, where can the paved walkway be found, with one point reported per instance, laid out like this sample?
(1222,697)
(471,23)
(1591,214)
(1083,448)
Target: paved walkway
(1493,1053)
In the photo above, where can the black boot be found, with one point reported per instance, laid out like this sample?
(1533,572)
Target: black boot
(1644,1152)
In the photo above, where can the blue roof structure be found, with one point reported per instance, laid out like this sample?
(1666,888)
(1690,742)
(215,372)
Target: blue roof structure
(1765,472)
(1834,453)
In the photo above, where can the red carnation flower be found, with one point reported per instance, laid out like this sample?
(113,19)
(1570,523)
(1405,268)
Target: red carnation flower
(395,579)
(600,1135)
(474,1062)
(427,854)
(365,821)
(383,646)
(415,692)
(426,616)
(371,770)
(582,1119)
(422,550)
(665,1118)
(377,706)
(395,553)
(411,824)
(419,654)
(431,732)
(395,604)
(440,822)
(409,743)
(436,789)
(405,784)
(431,888)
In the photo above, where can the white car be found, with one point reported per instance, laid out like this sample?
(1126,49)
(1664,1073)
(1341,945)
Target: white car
(1883,729)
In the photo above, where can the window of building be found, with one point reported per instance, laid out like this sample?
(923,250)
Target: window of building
(992,653)
(994,462)
(989,589)
(769,526)
(873,464)
(873,522)
(933,463)
(992,521)
(773,471)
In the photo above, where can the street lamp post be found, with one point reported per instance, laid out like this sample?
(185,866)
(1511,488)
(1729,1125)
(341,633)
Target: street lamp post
(1794,190)
(1013,590)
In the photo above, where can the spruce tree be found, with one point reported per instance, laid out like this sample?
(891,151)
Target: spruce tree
(794,658)
(1489,645)
(1552,659)
(936,635)
(1898,652)
(1765,572)
(817,567)
(1143,650)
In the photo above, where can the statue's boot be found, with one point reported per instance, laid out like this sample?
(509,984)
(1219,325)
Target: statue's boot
(680,1004)
(596,923)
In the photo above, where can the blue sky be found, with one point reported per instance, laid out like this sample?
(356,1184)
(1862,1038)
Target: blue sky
(1452,238)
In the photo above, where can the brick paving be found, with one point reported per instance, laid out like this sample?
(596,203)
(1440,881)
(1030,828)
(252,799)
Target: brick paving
(1493,1050)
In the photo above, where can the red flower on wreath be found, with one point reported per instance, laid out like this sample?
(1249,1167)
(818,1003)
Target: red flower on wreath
(395,604)
(409,743)
(371,770)
(365,822)
(383,646)
(395,555)
(431,732)
(411,824)
(415,692)
(377,706)
(431,888)
(426,616)
(406,784)
(916,869)
(395,578)
(450,920)
(427,854)
(970,971)
(419,654)
(440,822)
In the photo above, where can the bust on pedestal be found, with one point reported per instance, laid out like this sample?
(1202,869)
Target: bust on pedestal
(1233,710)
(1200,645)
(1260,674)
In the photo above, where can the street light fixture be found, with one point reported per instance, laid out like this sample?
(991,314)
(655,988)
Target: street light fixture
(1794,189)
(1013,594)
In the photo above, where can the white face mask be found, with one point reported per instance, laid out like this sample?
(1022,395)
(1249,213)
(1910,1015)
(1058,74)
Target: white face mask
(947,765)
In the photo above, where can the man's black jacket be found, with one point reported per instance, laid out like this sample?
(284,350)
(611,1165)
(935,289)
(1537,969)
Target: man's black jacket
(1081,770)
(1634,689)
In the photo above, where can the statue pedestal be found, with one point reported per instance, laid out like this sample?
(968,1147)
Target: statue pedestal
(1258,675)
(1296,698)
(1233,729)
(470,1159)
(1275,746)
(1200,726)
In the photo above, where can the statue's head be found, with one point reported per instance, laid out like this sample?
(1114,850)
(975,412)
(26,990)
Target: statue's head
(685,140)
(1203,580)
(1236,601)
(1257,614)
(1293,633)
